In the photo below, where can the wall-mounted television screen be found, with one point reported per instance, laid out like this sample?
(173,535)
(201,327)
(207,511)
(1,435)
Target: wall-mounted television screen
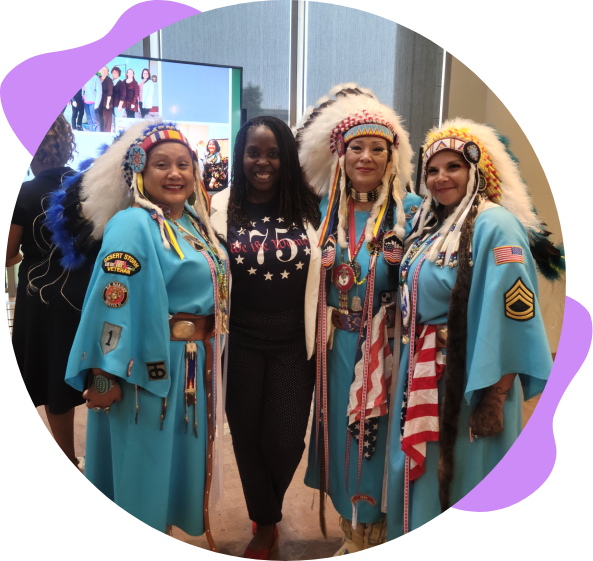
(204,100)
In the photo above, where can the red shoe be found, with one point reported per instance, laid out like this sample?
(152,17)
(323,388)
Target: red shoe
(262,554)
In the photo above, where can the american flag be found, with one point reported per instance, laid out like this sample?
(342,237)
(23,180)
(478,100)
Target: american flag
(422,416)
(508,254)
(378,376)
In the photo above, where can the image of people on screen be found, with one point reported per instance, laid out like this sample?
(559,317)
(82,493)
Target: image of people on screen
(91,94)
(145,97)
(132,93)
(106,113)
(119,92)
(215,167)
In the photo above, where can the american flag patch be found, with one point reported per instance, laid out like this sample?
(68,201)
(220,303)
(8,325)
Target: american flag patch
(508,254)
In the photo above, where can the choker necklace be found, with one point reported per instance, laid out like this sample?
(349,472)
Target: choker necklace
(372,196)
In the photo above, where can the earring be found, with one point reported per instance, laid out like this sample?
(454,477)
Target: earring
(191,200)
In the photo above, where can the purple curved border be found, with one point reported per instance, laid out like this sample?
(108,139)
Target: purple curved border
(535,503)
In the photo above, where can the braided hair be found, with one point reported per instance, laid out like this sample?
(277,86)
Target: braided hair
(297,202)
(58,146)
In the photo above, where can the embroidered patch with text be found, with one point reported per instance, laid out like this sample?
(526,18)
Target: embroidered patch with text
(508,254)
(121,263)
(519,303)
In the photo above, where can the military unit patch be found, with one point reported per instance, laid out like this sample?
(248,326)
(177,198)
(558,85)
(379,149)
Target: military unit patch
(519,302)
(115,294)
(121,263)
(508,254)
(156,371)
(110,337)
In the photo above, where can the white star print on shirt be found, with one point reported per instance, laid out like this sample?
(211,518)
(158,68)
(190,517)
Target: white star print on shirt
(253,224)
(280,219)
(299,265)
(266,219)
(240,260)
(307,250)
(237,245)
(241,231)
(285,274)
(251,271)
(303,236)
(268,276)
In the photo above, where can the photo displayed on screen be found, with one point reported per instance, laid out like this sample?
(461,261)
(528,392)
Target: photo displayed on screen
(203,100)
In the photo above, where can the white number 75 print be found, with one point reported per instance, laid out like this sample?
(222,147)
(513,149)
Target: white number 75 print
(260,253)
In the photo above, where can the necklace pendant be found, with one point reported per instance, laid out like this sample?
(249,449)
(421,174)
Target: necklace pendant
(356,304)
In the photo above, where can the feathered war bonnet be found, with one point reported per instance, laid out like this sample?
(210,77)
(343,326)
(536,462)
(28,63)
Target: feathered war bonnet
(494,177)
(115,180)
(79,211)
(345,113)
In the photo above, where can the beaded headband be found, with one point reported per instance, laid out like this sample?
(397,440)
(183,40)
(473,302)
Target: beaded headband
(359,125)
(472,150)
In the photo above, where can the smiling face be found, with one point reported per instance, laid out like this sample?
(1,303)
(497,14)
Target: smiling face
(211,147)
(104,72)
(447,176)
(130,74)
(145,74)
(261,161)
(366,161)
(115,73)
(169,176)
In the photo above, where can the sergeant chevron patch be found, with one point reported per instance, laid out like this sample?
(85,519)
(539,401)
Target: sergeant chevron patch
(519,302)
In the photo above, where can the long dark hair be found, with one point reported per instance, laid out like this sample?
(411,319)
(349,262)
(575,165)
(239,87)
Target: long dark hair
(297,202)
(216,145)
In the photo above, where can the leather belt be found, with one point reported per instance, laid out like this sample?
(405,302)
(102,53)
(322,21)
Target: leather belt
(190,327)
(347,322)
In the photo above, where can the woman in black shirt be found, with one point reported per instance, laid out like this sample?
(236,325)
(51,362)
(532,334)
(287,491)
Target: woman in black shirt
(48,301)
(268,217)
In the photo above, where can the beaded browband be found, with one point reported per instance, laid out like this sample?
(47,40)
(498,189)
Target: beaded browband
(360,124)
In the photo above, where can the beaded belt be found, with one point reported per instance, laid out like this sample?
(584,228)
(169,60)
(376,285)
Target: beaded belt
(347,322)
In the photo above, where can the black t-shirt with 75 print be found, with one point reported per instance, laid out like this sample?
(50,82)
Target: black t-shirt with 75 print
(269,261)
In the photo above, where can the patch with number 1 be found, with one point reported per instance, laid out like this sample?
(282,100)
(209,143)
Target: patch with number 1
(110,337)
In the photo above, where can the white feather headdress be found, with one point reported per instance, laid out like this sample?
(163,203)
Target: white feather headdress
(344,106)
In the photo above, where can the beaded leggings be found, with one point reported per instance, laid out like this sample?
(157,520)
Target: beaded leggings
(269,391)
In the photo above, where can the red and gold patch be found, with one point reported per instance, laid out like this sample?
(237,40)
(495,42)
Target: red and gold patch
(115,294)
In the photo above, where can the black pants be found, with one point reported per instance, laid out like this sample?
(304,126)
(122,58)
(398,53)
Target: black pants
(269,390)
(144,110)
(131,113)
(77,114)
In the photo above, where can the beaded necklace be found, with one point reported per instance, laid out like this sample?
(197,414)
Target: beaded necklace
(221,272)
(419,247)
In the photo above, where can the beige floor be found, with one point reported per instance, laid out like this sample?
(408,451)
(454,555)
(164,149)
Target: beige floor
(299,534)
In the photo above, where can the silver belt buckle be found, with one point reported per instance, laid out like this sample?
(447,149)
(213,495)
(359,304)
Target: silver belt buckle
(183,329)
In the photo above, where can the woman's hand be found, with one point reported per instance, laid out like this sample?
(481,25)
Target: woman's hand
(487,419)
(107,399)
